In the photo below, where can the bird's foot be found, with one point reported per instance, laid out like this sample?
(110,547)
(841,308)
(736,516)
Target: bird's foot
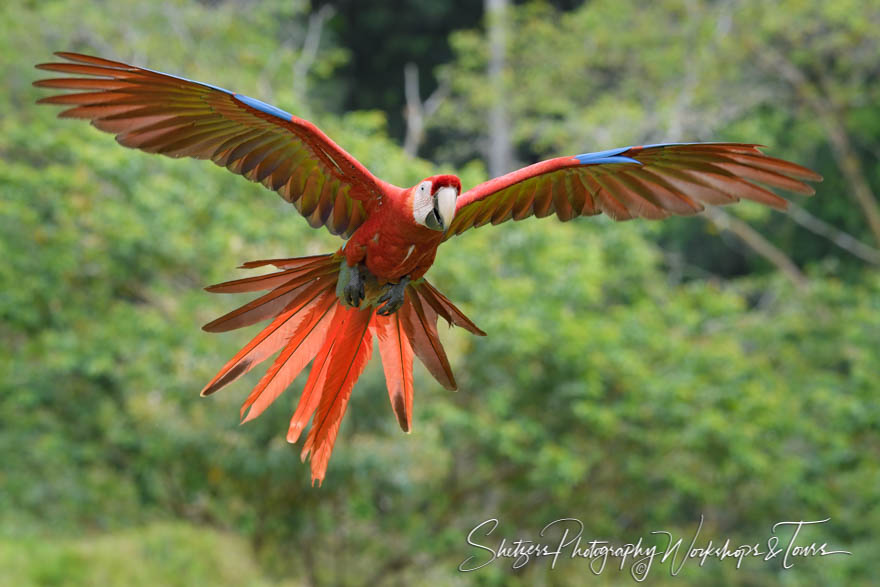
(393,297)
(353,293)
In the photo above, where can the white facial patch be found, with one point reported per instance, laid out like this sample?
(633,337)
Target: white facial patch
(423,202)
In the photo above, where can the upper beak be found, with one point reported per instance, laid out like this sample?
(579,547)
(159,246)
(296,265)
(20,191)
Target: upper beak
(444,206)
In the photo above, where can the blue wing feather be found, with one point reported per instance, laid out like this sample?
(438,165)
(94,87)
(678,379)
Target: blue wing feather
(263,107)
(614,155)
(609,156)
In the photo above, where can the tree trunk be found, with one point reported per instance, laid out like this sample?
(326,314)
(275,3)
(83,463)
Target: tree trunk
(757,243)
(500,153)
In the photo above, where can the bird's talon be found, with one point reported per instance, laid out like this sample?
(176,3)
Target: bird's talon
(353,292)
(393,297)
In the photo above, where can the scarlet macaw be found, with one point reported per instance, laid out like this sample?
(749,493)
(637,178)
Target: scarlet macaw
(329,307)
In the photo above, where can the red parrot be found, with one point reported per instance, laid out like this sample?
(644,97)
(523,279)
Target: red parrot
(328,308)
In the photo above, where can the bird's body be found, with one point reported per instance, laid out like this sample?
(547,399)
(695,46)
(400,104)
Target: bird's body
(389,244)
(327,309)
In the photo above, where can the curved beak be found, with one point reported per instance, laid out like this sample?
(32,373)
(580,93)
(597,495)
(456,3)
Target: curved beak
(444,205)
(444,209)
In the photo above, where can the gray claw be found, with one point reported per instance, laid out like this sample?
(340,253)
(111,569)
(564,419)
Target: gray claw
(393,297)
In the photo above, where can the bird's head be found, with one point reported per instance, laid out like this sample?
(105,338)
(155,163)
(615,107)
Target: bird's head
(433,201)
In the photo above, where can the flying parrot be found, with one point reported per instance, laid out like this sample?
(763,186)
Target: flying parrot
(327,309)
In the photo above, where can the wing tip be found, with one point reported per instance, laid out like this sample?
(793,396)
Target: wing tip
(810,175)
(69,55)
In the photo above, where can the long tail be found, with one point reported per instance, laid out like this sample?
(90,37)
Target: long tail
(309,322)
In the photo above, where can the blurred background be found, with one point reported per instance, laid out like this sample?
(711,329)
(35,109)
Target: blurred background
(636,375)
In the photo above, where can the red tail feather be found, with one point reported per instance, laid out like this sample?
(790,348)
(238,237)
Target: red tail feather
(310,322)
(352,347)
(286,263)
(446,309)
(420,324)
(299,351)
(260,282)
(273,337)
(311,394)
(397,362)
(269,305)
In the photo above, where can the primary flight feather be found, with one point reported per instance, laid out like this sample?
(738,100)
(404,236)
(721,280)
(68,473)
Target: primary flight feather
(326,309)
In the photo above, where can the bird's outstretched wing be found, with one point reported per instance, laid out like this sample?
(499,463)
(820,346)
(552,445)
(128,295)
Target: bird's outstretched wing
(651,181)
(161,113)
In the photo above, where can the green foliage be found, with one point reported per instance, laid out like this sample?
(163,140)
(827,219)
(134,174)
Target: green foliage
(613,73)
(159,554)
(617,385)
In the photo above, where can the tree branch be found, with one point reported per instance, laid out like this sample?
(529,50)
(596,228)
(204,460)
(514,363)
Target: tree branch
(500,150)
(416,112)
(757,243)
(309,51)
(841,144)
(838,237)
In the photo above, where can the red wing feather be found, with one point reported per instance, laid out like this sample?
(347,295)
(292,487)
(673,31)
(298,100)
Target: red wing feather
(161,113)
(633,182)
